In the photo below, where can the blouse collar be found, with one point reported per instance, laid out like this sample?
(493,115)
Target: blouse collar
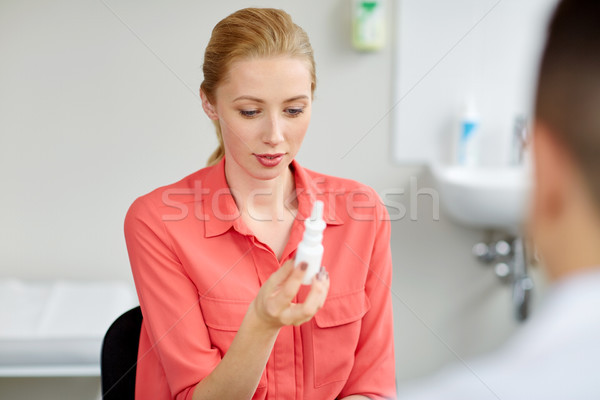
(221,213)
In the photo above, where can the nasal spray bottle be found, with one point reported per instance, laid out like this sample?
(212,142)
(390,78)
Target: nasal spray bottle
(310,249)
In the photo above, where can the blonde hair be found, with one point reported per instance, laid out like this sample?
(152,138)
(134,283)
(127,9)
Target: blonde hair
(250,33)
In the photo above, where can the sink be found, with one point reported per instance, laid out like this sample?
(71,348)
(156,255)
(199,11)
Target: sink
(484,197)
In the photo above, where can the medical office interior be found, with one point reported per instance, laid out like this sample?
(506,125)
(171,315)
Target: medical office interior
(99,104)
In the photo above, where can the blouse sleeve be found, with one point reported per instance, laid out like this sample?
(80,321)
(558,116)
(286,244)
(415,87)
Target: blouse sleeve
(169,302)
(373,374)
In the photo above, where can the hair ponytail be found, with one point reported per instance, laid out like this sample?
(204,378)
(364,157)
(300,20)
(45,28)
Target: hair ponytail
(219,152)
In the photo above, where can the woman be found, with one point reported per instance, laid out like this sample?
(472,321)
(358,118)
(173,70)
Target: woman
(225,314)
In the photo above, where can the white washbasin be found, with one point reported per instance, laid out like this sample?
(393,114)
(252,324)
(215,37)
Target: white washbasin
(484,197)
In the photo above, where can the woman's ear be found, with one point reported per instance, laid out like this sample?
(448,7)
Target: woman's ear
(209,109)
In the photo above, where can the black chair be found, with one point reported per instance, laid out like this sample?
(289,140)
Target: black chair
(119,356)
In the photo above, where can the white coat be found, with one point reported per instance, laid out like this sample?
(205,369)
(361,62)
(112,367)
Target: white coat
(554,356)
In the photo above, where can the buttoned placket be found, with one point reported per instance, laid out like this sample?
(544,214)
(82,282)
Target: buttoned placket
(284,368)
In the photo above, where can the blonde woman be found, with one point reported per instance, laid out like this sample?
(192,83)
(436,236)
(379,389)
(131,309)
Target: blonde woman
(225,313)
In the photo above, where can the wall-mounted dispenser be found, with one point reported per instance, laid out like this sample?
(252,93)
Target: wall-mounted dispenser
(368,24)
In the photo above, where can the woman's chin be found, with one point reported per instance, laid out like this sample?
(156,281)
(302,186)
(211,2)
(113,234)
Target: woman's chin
(268,174)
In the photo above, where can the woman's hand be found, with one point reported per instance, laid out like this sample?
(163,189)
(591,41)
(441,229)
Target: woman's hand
(274,304)
(238,373)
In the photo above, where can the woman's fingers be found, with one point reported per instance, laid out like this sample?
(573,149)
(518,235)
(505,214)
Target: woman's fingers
(299,313)
(286,281)
(280,275)
(276,302)
(318,292)
(291,286)
(281,297)
(279,290)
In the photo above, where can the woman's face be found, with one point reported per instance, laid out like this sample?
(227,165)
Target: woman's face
(263,108)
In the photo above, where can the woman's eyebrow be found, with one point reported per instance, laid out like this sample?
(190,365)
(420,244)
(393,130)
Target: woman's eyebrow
(300,97)
(257,100)
(251,98)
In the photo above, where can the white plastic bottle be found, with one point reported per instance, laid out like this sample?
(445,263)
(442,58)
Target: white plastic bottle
(468,141)
(310,249)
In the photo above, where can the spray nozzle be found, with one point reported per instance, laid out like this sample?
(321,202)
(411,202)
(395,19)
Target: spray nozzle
(317,211)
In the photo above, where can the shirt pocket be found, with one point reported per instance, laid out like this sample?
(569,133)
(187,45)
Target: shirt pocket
(336,330)
(223,319)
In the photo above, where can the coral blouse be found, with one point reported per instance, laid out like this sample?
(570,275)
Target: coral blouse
(197,267)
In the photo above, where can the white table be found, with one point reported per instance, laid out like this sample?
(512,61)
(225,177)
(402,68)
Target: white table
(55,328)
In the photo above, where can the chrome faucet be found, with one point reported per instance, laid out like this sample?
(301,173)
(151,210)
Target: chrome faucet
(510,265)
(519,140)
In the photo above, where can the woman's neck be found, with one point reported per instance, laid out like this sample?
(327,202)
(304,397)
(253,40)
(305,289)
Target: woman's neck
(259,199)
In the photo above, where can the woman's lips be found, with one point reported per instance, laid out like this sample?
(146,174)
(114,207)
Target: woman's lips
(269,160)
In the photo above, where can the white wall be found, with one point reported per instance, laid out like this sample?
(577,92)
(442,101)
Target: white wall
(448,52)
(98,104)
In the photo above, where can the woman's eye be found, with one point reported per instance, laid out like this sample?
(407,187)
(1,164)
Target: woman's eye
(294,112)
(249,113)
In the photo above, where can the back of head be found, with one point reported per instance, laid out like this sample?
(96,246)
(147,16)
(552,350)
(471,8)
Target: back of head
(568,92)
(246,34)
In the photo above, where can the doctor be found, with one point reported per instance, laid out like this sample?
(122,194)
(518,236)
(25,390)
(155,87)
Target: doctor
(557,353)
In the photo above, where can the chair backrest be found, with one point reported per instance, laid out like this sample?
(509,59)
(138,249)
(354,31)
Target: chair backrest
(119,356)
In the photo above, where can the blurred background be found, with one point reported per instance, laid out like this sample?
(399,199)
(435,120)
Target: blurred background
(99,104)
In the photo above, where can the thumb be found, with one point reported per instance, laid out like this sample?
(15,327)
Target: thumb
(281,274)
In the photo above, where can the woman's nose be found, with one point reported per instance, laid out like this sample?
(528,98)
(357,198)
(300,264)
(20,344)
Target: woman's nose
(273,133)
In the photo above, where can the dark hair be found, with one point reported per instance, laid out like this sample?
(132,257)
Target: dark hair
(568,90)
(251,33)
